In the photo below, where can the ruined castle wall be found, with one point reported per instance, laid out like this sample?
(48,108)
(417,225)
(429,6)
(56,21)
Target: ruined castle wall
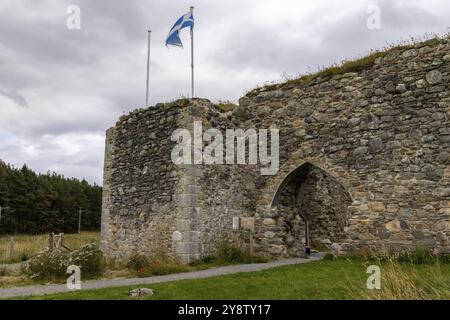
(383,133)
(223,191)
(379,135)
(141,185)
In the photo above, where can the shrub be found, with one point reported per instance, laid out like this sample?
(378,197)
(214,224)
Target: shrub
(48,264)
(231,253)
(24,257)
(138,262)
(89,259)
(53,264)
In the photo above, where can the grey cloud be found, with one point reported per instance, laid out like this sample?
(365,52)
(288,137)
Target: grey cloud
(76,83)
(16,97)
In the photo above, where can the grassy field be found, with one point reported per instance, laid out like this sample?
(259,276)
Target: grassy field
(342,279)
(27,246)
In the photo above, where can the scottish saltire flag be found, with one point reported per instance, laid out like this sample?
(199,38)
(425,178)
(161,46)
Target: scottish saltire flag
(174,35)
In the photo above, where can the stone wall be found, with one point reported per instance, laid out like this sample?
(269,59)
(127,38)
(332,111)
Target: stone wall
(377,140)
(382,133)
(141,184)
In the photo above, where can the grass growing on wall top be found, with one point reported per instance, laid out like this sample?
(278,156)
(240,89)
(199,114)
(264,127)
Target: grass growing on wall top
(345,66)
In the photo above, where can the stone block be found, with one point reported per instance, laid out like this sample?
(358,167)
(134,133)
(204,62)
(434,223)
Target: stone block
(184,225)
(248,223)
(393,226)
(377,206)
(192,236)
(269,222)
(187,248)
(188,200)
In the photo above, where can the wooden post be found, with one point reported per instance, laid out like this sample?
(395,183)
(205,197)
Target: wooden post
(11,247)
(50,242)
(79,221)
(251,243)
(61,241)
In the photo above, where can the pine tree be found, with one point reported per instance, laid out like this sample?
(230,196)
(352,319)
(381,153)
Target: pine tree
(42,203)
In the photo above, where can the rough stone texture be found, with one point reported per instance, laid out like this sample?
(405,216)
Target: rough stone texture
(140,292)
(376,143)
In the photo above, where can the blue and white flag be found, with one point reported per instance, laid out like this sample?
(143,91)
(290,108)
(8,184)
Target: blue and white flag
(174,35)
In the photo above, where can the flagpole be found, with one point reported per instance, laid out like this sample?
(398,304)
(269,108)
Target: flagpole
(148,67)
(192,57)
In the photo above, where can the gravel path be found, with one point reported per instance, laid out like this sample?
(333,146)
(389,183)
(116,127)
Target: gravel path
(99,284)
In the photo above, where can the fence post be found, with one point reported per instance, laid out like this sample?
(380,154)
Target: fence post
(50,241)
(251,243)
(61,240)
(11,247)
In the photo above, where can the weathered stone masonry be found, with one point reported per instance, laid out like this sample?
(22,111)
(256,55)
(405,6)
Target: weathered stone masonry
(364,157)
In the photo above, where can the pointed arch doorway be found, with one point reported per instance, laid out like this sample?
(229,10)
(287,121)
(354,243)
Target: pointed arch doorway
(312,209)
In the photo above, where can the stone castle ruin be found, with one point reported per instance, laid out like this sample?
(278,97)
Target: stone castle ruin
(364,165)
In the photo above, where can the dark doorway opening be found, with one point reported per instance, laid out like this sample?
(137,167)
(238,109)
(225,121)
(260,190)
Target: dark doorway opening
(313,209)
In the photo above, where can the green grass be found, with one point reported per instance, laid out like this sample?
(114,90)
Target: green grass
(341,279)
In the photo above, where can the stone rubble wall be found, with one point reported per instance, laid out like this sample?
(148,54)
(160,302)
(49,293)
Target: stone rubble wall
(141,185)
(381,133)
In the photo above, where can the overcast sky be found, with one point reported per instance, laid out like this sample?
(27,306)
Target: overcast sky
(60,89)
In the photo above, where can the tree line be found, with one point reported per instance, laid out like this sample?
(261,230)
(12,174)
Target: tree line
(41,203)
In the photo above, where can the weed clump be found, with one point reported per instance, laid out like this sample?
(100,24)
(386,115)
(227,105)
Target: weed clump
(156,264)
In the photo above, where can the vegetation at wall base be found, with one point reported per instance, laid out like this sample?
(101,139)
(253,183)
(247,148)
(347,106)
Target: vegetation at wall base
(159,263)
(155,265)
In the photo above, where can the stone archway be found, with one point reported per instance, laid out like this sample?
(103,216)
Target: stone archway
(310,199)
(323,194)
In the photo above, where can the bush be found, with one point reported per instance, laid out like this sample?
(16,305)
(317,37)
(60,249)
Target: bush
(52,265)
(48,265)
(230,253)
(138,262)
(89,259)
(24,257)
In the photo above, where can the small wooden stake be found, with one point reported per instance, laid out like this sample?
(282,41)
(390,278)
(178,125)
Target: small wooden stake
(11,248)
(251,244)
(50,242)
